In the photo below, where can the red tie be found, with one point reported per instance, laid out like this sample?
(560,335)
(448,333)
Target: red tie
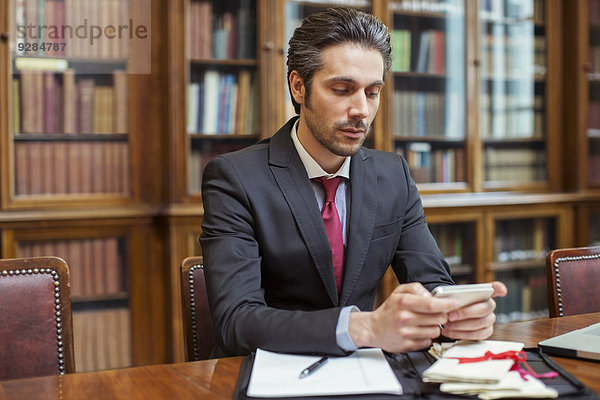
(333,227)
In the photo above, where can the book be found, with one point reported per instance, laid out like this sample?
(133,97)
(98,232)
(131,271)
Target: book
(51,99)
(22,165)
(210,112)
(86,105)
(16,106)
(70,102)
(61,167)
(243,98)
(120,102)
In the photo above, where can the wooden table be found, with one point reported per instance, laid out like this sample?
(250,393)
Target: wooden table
(216,379)
(531,332)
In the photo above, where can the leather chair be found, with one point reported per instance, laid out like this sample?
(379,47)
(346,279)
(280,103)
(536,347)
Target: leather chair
(199,331)
(36,330)
(573,281)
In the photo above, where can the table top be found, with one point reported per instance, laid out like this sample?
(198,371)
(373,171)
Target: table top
(216,379)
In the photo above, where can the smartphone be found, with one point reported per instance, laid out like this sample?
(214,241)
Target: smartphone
(466,294)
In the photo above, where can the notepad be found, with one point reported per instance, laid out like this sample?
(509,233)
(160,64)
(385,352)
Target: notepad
(364,371)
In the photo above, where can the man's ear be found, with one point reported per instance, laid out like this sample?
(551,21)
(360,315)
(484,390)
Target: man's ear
(297,87)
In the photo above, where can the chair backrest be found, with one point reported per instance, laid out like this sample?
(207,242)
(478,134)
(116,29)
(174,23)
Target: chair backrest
(573,281)
(36,329)
(199,331)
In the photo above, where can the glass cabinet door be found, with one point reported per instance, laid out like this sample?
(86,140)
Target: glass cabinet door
(519,252)
(428,101)
(69,135)
(222,112)
(455,242)
(512,92)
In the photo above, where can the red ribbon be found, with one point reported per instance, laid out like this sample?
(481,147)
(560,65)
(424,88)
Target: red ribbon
(507,355)
(519,357)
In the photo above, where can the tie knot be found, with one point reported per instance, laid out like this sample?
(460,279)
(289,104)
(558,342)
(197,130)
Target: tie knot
(330,186)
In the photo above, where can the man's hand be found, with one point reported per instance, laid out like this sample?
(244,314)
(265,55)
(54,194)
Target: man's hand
(407,320)
(475,321)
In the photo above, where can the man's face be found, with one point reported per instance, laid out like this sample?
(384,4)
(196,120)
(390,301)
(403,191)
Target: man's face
(344,98)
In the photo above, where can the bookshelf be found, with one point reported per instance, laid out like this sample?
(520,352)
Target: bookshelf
(517,255)
(223,88)
(69,135)
(427,91)
(70,166)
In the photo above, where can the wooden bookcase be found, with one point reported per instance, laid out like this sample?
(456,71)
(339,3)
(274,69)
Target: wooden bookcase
(78,123)
(483,87)
(484,131)
(582,95)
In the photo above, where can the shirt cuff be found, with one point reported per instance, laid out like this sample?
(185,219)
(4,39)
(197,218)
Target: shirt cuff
(341,331)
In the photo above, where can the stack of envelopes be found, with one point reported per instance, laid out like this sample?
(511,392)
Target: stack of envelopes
(484,368)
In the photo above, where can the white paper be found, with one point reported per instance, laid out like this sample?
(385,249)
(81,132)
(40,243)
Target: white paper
(512,385)
(364,371)
(448,368)
(471,349)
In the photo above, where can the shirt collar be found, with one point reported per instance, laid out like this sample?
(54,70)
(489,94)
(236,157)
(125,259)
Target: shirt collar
(313,169)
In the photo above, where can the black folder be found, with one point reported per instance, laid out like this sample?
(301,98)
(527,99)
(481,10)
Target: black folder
(409,368)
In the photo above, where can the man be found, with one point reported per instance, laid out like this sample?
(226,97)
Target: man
(269,256)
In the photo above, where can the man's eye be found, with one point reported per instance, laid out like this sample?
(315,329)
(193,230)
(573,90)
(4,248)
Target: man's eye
(340,91)
(373,93)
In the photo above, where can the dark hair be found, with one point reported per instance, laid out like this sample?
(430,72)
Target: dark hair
(332,26)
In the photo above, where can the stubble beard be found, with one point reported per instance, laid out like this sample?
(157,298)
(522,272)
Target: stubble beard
(327,137)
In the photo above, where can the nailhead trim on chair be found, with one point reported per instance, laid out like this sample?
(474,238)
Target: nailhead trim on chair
(57,307)
(556,262)
(193,309)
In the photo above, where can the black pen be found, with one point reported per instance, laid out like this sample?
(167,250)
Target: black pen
(313,367)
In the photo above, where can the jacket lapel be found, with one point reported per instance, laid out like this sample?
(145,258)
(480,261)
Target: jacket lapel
(291,177)
(363,209)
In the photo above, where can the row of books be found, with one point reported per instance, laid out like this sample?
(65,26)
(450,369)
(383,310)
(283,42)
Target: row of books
(511,115)
(95,264)
(431,114)
(216,32)
(449,238)
(49,102)
(429,165)
(223,103)
(200,157)
(102,339)
(514,9)
(527,299)
(513,52)
(96,29)
(515,165)
(436,6)
(71,167)
(424,52)
(523,239)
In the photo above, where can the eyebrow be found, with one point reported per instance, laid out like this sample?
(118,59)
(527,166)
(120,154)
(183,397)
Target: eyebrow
(352,80)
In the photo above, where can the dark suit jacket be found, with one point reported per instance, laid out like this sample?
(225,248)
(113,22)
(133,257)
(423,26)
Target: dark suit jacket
(267,260)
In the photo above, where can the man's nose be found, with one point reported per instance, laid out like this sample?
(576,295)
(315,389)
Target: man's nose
(359,108)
